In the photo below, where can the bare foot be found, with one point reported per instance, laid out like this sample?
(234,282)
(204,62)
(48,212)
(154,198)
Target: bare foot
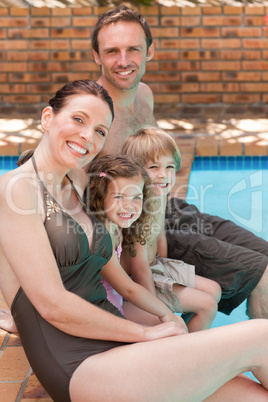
(6,321)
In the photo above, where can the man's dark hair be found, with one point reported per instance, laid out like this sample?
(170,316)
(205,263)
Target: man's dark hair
(118,14)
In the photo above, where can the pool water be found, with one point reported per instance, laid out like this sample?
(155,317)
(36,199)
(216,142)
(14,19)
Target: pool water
(233,188)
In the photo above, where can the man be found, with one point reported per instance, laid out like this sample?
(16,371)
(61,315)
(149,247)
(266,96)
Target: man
(122,45)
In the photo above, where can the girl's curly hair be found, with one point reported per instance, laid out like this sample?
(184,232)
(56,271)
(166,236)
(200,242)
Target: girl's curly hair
(101,172)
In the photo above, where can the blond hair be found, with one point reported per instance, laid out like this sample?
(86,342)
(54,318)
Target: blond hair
(149,144)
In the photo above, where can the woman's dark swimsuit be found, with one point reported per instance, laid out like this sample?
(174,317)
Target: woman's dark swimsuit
(54,355)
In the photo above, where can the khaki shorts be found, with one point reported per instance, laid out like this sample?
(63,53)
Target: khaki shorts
(166,273)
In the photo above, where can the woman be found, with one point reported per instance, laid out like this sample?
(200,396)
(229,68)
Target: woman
(78,344)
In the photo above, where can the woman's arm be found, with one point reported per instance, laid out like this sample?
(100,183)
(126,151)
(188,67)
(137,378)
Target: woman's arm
(137,294)
(31,265)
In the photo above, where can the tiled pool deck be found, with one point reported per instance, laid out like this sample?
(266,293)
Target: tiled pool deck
(211,133)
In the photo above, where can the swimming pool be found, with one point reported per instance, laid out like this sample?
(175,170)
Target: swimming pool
(234,188)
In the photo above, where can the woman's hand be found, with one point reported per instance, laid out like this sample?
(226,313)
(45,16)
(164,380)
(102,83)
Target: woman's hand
(171,317)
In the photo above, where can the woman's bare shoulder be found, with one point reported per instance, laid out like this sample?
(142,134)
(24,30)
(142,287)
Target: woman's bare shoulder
(79,178)
(18,185)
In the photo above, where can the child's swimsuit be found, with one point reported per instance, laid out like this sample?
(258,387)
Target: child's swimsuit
(115,298)
(54,355)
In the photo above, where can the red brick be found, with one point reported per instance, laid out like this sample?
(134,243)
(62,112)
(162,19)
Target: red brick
(200,98)
(219,87)
(84,66)
(9,391)
(60,22)
(14,45)
(190,44)
(57,11)
(200,32)
(152,66)
(14,364)
(220,65)
(254,87)
(253,20)
(199,55)
(84,21)
(69,77)
(221,20)
(3,77)
(73,33)
(4,11)
(165,32)
(200,76)
(100,10)
(173,10)
(166,55)
(48,66)
(265,76)
(170,43)
(265,54)
(151,10)
(29,77)
(19,11)
(12,88)
(240,54)
(180,87)
(240,98)
(252,65)
(233,10)
(10,67)
(22,99)
(155,87)
(254,10)
(4,22)
(180,66)
(260,43)
(17,56)
(170,21)
(82,44)
(191,10)
(211,10)
(221,43)
(38,22)
(152,21)
(82,11)
(190,21)
(3,34)
(239,32)
(265,98)
(170,98)
(162,77)
(43,11)
(15,33)
(65,56)
(40,44)
(241,76)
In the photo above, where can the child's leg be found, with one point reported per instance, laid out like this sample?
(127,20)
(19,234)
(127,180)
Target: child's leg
(208,286)
(202,304)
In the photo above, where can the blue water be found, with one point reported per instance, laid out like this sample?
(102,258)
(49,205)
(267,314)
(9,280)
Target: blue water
(236,189)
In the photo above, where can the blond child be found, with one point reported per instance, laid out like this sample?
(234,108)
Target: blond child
(175,281)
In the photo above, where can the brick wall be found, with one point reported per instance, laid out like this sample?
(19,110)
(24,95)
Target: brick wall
(204,55)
